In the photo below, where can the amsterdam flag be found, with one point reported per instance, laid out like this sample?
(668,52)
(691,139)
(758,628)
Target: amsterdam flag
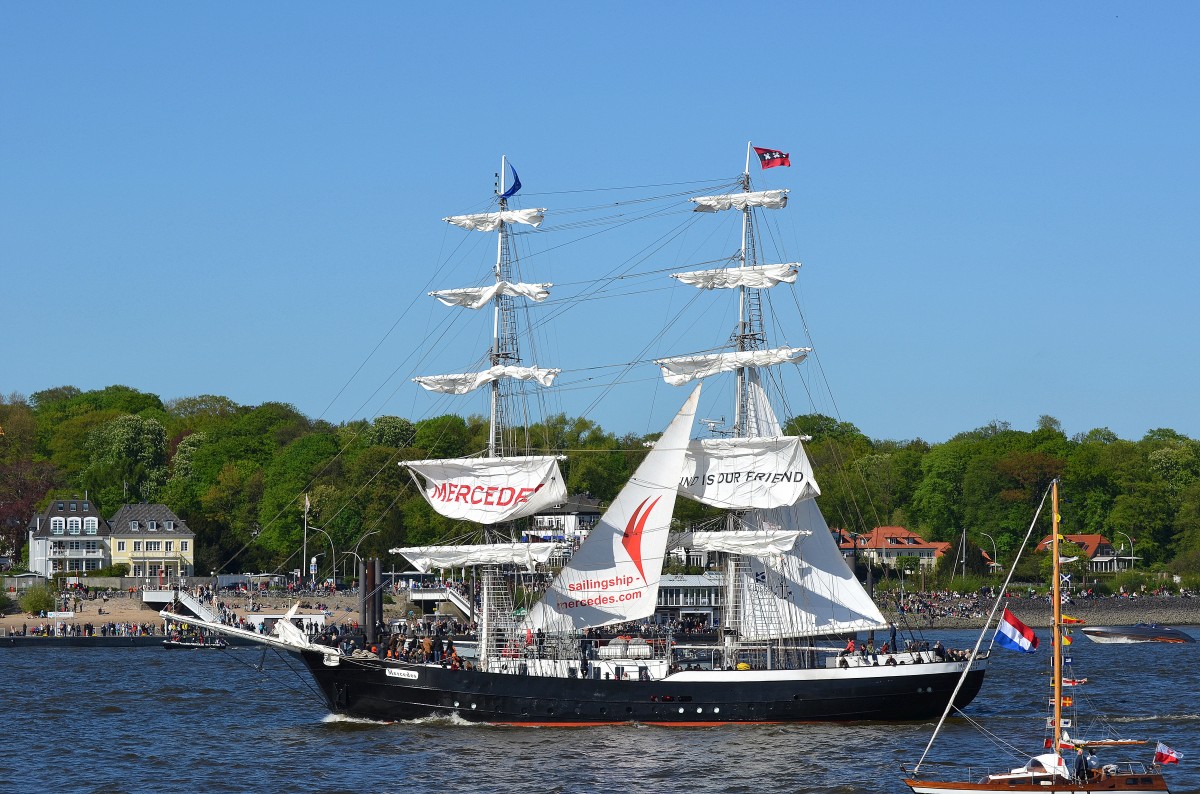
(769,158)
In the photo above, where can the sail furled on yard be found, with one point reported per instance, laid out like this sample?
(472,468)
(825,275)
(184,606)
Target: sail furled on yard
(478,297)
(614,576)
(527,555)
(762,542)
(490,221)
(767,199)
(755,276)
(489,490)
(679,370)
(465,382)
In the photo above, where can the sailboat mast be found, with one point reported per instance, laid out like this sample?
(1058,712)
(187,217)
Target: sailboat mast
(504,340)
(1056,631)
(749,328)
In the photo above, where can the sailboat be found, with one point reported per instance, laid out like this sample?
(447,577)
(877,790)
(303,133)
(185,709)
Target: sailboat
(790,597)
(1063,766)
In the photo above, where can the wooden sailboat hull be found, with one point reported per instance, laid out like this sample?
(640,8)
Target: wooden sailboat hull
(1147,783)
(391,691)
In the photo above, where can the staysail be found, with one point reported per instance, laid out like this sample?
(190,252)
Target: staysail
(615,574)
(490,490)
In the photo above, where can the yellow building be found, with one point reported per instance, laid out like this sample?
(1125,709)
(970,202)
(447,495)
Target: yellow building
(153,542)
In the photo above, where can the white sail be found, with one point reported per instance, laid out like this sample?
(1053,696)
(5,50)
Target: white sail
(679,370)
(768,199)
(746,473)
(756,276)
(807,591)
(490,490)
(426,558)
(490,221)
(762,543)
(478,297)
(465,382)
(615,574)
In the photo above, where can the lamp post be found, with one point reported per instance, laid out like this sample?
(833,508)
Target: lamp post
(1130,547)
(332,555)
(356,545)
(995,555)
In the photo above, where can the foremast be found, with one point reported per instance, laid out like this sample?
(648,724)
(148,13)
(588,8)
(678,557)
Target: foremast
(505,483)
(1056,619)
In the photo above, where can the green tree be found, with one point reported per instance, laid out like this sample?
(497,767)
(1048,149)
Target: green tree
(128,461)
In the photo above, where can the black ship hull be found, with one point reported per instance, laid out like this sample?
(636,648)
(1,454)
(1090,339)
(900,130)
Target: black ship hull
(393,691)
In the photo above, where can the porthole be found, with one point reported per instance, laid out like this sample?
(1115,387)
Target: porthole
(456,704)
(699,710)
(680,709)
(472,705)
(716,709)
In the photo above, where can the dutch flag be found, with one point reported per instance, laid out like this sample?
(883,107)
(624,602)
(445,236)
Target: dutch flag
(1015,635)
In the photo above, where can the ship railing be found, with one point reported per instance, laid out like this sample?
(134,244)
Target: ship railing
(950,771)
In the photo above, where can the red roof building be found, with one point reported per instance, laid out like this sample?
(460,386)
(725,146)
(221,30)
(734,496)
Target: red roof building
(1101,554)
(884,545)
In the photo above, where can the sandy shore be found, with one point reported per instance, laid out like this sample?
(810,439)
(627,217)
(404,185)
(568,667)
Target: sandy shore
(1168,611)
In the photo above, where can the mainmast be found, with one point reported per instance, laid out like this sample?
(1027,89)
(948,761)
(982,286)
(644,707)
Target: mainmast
(749,334)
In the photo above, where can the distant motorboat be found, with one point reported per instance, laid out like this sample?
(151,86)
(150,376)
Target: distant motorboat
(1139,632)
(205,643)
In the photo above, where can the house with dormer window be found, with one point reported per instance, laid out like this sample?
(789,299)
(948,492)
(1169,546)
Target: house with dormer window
(70,537)
(153,542)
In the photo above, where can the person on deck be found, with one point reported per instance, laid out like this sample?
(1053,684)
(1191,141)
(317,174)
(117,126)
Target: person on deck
(1095,772)
(849,647)
(1081,768)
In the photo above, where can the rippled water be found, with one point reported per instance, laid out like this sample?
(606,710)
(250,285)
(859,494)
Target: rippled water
(145,719)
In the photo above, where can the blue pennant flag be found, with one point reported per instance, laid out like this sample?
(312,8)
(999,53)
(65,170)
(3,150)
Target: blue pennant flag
(516,185)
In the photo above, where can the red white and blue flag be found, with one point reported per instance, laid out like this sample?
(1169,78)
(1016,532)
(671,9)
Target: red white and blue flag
(1165,755)
(769,158)
(1015,635)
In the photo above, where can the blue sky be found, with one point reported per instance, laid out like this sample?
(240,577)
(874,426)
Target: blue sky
(996,204)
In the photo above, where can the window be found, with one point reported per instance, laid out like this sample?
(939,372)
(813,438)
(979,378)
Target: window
(152,526)
(91,546)
(91,565)
(137,545)
(137,570)
(170,545)
(183,545)
(120,545)
(86,507)
(61,505)
(154,545)
(57,525)
(73,526)
(73,507)
(169,525)
(74,545)
(90,525)
(133,526)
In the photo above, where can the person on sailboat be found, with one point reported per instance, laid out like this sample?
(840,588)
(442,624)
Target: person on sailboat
(1081,765)
(1095,770)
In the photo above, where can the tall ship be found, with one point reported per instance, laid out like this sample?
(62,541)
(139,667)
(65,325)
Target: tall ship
(578,656)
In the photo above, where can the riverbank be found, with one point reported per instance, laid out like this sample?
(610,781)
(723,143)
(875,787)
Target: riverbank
(1037,612)
(944,612)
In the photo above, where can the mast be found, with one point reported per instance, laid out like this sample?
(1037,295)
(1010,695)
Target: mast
(504,336)
(1056,630)
(749,331)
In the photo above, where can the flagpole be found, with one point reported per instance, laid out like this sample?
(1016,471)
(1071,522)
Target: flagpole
(494,397)
(747,171)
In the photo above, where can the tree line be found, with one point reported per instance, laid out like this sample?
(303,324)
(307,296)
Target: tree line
(238,475)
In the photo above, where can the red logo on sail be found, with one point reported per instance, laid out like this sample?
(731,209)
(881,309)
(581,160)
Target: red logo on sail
(631,538)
